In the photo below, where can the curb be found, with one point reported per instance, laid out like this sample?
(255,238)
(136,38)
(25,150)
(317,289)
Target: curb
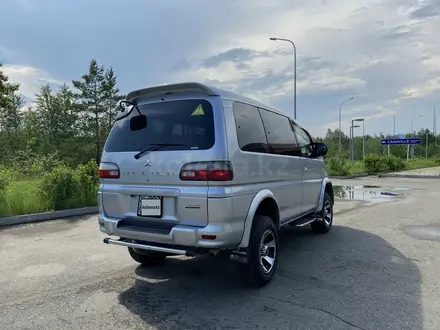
(412,176)
(354,176)
(27,218)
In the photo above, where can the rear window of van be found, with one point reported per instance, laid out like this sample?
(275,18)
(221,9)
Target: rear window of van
(186,122)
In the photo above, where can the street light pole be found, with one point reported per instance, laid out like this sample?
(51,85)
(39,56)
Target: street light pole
(412,132)
(363,140)
(426,151)
(340,119)
(294,71)
(352,127)
(352,136)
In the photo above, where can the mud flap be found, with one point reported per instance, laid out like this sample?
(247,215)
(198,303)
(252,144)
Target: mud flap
(239,256)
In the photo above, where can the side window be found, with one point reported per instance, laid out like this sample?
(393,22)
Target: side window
(250,129)
(304,141)
(279,133)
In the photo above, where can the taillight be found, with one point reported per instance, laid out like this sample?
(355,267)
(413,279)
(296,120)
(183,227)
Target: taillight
(207,171)
(109,171)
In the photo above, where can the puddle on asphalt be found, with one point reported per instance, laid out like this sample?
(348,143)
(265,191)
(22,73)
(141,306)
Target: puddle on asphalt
(367,193)
(428,233)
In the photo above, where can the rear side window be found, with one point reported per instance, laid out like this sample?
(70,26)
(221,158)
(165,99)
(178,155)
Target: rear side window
(186,122)
(250,129)
(280,136)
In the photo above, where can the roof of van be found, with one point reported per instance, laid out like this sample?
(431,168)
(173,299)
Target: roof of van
(199,87)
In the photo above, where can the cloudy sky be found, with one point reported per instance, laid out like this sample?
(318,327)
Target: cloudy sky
(384,53)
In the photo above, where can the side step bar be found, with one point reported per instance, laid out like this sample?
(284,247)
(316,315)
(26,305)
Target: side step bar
(305,223)
(187,253)
(306,220)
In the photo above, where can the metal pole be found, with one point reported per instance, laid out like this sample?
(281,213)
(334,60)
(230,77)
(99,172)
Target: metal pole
(339,133)
(352,142)
(294,80)
(394,133)
(426,151)
(363,140)
(412,133)
(349,144)
(294,71)
(340,119)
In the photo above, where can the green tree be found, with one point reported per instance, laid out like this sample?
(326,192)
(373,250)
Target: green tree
(6,90)
(112,97)
(92,92)
(11,103)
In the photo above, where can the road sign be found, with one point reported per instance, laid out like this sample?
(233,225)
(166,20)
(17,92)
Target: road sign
(401,141)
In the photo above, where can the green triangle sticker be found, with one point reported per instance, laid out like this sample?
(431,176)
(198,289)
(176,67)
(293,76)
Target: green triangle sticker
(199,111)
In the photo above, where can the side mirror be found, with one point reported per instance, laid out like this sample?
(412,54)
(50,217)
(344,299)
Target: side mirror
(138,122)
(320,149)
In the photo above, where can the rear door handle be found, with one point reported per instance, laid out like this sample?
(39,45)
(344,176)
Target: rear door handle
(305,168)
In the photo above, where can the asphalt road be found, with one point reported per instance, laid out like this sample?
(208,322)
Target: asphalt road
(378,268)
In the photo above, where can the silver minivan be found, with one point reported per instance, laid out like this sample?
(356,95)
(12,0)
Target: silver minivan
(189,169)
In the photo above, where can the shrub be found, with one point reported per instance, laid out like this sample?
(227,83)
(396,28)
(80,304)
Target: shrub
(45,163)
(65,188)
(32,165)
(7,177)
(88,179)
(60,188)
(375,163)
(394,163)
(338,165)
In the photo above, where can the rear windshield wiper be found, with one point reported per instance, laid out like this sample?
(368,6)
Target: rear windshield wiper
(156,146)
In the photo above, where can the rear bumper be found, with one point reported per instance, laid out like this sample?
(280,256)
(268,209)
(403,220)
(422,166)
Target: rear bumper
(226,237)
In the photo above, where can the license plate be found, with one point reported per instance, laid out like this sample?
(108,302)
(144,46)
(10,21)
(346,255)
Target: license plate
(150,206)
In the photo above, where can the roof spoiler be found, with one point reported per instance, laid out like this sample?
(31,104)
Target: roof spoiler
(170,88)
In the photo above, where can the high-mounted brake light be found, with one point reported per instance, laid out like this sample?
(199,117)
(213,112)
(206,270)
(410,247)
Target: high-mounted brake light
(109,171)
(207,171)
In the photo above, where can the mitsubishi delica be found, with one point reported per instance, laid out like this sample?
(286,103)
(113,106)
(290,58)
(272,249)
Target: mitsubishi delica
(190,169)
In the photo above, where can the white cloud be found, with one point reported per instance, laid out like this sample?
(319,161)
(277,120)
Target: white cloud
(30,79)
(385,53)
(373,49)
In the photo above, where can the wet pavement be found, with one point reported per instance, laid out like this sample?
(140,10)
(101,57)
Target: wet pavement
(378,268)
(368,194)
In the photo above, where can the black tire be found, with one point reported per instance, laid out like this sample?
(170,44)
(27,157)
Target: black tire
(147,258)
(256,273)
(326,215)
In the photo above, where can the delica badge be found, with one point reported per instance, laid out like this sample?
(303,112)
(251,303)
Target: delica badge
(199,111)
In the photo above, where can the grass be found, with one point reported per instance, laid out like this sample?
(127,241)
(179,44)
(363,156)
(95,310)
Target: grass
(421,163)
(22,197)
(359,168)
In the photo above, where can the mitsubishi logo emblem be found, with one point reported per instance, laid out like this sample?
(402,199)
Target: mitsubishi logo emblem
(147,163)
